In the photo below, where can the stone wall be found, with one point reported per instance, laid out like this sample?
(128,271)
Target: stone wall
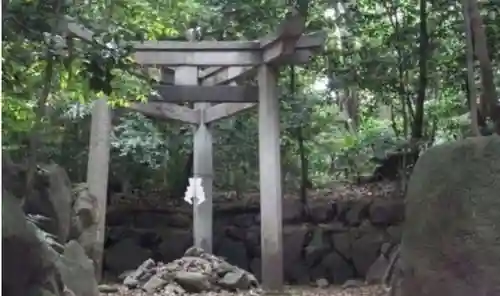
(340,241)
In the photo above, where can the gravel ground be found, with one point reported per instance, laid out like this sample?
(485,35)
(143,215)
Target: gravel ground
(364,290)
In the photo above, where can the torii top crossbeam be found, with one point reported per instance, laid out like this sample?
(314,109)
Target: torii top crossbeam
(288,45)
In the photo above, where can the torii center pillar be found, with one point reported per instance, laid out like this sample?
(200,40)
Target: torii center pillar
(202,164)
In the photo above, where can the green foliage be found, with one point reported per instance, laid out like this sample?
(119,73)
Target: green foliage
(371,57)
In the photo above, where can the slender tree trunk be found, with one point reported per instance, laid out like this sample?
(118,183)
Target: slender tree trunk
(417,128)
(41,109)
(404,96)
(471,85)
(489,92)
(304,172)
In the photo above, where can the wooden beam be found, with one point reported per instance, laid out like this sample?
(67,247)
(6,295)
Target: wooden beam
(224,75)
(225,110)
(304,50)
(270,181)
(217,53)
(284,42)
(199,58)
(164,75)
(181,53)
(194,46)
(163,110)
(291,27)
(215,94)
(223,53)
(312,41)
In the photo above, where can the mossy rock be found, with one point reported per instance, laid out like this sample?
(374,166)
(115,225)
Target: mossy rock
(451,236)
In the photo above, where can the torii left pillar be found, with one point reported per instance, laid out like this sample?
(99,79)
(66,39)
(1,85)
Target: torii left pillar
(202,165)
(97,176)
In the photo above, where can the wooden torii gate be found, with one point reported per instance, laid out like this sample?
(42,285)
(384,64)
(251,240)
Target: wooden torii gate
(207,72)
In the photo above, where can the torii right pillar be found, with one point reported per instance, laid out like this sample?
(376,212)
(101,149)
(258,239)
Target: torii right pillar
(270,180)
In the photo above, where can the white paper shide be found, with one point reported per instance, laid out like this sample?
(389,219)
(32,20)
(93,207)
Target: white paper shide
(194,192)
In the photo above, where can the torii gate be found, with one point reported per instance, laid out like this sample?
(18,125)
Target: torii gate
(227,64)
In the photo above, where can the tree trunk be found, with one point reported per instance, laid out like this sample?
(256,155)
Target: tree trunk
(303,158)
(471,85)
(417,128)
(489,96)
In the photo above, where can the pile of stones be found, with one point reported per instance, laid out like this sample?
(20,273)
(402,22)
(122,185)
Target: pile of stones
(196,272)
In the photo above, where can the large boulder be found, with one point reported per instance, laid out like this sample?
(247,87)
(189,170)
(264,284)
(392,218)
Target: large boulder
(451,237)
(52,199)
(27,261)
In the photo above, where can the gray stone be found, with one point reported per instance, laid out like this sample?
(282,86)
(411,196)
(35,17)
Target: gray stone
(342,243)
(395,232)
(194,252)
(293,242)
(142,273)
(108,289)
(193,282)
(298,273)
(236,279)
(322,283)
(179,220)
(385,249)
(44,292)
(366,249)
(131,282)
(356,212)
(337,269)
(317,247)
(252,241)
(77,270)
(155,283)
(234,252)
(85,208)
(350,284)
(292,210)
(387,212)
(125,274)
(53,201)
(148,219)
(377,270)
(320,213)
(125,255)
(256,267)
(173,289)
(451,234)
(174,243)
(244,220)
(27,262)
